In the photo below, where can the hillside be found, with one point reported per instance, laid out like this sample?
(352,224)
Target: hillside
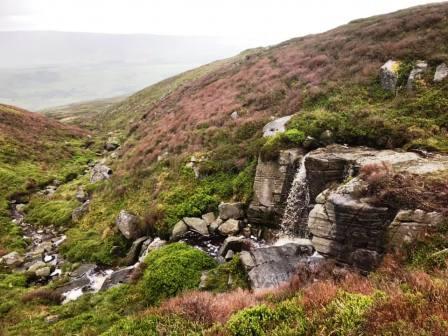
(34,150)
(180,216)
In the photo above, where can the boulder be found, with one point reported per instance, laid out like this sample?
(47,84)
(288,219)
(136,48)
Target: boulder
(209,217)
(179,230)
(365,259)
(134,252)
(275,126)
(154,245)
(81,195)
(234,115)
(326,138)
(83,270)
(271,266)
(215,225)
(273,179)
(100,172)
(120,276)
(43,272)
(35,266)
(236,244)
(231,210)
(416,74)
(13,259)
(409,225)
(112,144)
(229,227)
(80,211)
(197,224)
(441,73)
(389,75)
(129,225)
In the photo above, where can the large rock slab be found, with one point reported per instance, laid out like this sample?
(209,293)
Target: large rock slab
(197,224)
(13,259)
(389,75)
(271,266)
(409,225)
(129,225)
(275,126)
(273,179)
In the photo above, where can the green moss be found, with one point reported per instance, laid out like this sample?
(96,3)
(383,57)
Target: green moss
(42,212)
(287,318)
(173,269)
(90,246)
(293,137)
(218,278)
(154,326)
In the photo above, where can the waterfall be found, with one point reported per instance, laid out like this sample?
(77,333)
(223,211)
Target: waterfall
(296,210)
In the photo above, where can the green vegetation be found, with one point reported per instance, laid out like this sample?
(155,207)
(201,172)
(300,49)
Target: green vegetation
(367,115)
(43,212)
(227,276)
(287,318)
(173,269)
(291,138)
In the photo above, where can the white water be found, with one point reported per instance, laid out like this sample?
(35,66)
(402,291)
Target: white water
(296,209)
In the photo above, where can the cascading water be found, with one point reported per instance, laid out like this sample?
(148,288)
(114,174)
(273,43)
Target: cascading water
(296,210)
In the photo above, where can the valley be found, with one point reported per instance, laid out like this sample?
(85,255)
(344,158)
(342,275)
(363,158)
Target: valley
(298,189)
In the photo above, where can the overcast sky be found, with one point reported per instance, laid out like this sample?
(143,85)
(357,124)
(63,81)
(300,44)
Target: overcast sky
(268,21)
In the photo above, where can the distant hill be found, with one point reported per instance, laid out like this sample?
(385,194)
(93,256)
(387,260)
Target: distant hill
(44,69)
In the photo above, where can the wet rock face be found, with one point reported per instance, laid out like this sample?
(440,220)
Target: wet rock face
(273,180)
(129,225)
(271,266)
(349,230)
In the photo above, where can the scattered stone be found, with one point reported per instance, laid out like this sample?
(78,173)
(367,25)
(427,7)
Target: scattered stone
(52,319)
(121,276)
(48,258)
(229,227)
(154,245)
(83,270)
(81,195)
(13,259)
(215,225)
(80,211)
(231,210)
(247,232)
(43,272)
(310,143)
(35,266)
(441,73)
(134,251)
(389,75)
(229,255)
(129,225)
(20,207)
(236,244)
(179,230)
(100,172)
(234,115)
(112,144)
(326,138)
(209,217)
(416,74)
(197,224)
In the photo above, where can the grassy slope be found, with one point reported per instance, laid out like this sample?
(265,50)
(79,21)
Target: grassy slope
(34,150)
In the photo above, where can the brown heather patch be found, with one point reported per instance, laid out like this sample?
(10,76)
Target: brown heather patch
(44,295)
(275,81)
